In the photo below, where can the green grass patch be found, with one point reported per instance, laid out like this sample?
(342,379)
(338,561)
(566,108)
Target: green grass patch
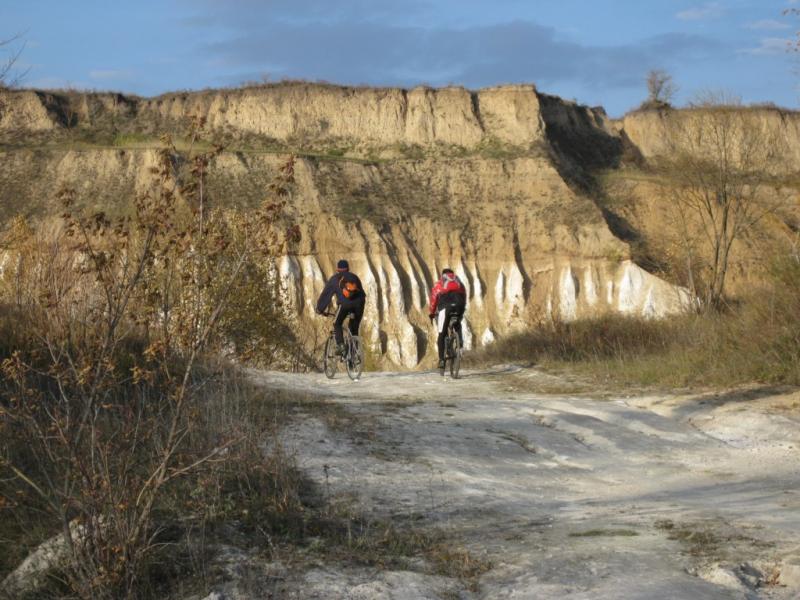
(129,140)
(491,147)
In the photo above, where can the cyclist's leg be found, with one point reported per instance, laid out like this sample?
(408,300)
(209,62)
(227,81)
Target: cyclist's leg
(441,323)
(355,321)
(341,314)
(457,327)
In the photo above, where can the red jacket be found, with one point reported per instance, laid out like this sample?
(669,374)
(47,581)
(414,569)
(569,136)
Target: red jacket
(448,288)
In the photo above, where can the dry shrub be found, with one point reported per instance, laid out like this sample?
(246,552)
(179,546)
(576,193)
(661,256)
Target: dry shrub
(105,390)
(607,337)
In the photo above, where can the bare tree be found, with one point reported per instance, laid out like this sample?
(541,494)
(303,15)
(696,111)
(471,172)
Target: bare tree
(661,88)
(794,45)
(718,166)
(9,56)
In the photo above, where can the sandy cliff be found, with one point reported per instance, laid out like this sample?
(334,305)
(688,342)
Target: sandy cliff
(650,131)
(297,112)
(401,182)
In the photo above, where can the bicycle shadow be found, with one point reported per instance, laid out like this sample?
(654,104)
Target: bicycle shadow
(497,371)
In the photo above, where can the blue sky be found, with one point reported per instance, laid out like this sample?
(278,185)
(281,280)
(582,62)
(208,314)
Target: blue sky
(597,52)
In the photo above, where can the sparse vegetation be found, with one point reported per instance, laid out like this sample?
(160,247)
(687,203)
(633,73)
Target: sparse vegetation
(491,147)
(756,340)
(339,533)
(661,90)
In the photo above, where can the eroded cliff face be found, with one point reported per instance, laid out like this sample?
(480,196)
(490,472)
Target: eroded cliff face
(656,133)
(525,245)
(300,112)
(493,195)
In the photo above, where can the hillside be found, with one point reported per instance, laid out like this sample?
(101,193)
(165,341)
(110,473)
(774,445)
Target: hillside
(501,184)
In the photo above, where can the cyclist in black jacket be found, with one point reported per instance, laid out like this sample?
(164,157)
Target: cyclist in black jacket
(349,292)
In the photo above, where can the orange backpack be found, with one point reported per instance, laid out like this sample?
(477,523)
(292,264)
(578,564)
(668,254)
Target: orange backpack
(349,288)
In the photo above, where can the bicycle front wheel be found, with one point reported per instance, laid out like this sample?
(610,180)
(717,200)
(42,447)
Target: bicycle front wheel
(355,358)
(455,356)
(329,359)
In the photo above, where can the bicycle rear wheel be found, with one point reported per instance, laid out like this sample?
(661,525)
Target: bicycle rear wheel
(455,355)
(330,358)
(355,358)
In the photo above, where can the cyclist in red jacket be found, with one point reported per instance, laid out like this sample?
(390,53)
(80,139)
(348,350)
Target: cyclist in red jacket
(448,297)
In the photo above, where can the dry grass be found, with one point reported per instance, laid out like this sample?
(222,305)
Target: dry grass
(605,533)
(343,535)
(244,486)
(755,340)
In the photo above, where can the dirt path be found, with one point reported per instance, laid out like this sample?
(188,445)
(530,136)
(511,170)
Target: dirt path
(564,496)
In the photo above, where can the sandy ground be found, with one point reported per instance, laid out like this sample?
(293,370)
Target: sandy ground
(651,497)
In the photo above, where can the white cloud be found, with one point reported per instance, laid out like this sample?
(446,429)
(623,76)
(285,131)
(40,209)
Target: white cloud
(771,45)
(711,10)
(104,74)
(768,24)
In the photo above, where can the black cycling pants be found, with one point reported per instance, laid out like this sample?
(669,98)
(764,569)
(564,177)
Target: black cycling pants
(449,311)
(357,310)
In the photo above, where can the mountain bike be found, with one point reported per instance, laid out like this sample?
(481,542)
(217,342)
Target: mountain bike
(453,351)
(353,356)
(452,347)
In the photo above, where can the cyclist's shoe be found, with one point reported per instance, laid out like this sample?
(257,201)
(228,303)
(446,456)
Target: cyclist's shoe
(441,367)
(341,350)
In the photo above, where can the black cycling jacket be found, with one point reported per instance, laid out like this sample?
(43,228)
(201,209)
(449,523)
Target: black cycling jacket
(333,288)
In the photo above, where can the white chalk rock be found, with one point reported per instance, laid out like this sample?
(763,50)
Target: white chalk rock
(567,296)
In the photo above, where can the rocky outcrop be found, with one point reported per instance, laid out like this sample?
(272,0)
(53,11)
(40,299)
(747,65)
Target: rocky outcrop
(503,296)
(26,111)
(31,577)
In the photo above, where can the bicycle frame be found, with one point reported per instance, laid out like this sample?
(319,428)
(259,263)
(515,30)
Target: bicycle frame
(353,356)
(452,354)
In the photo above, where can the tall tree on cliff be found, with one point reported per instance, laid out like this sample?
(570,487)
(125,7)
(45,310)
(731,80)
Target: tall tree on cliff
(661,89)
(719,162)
